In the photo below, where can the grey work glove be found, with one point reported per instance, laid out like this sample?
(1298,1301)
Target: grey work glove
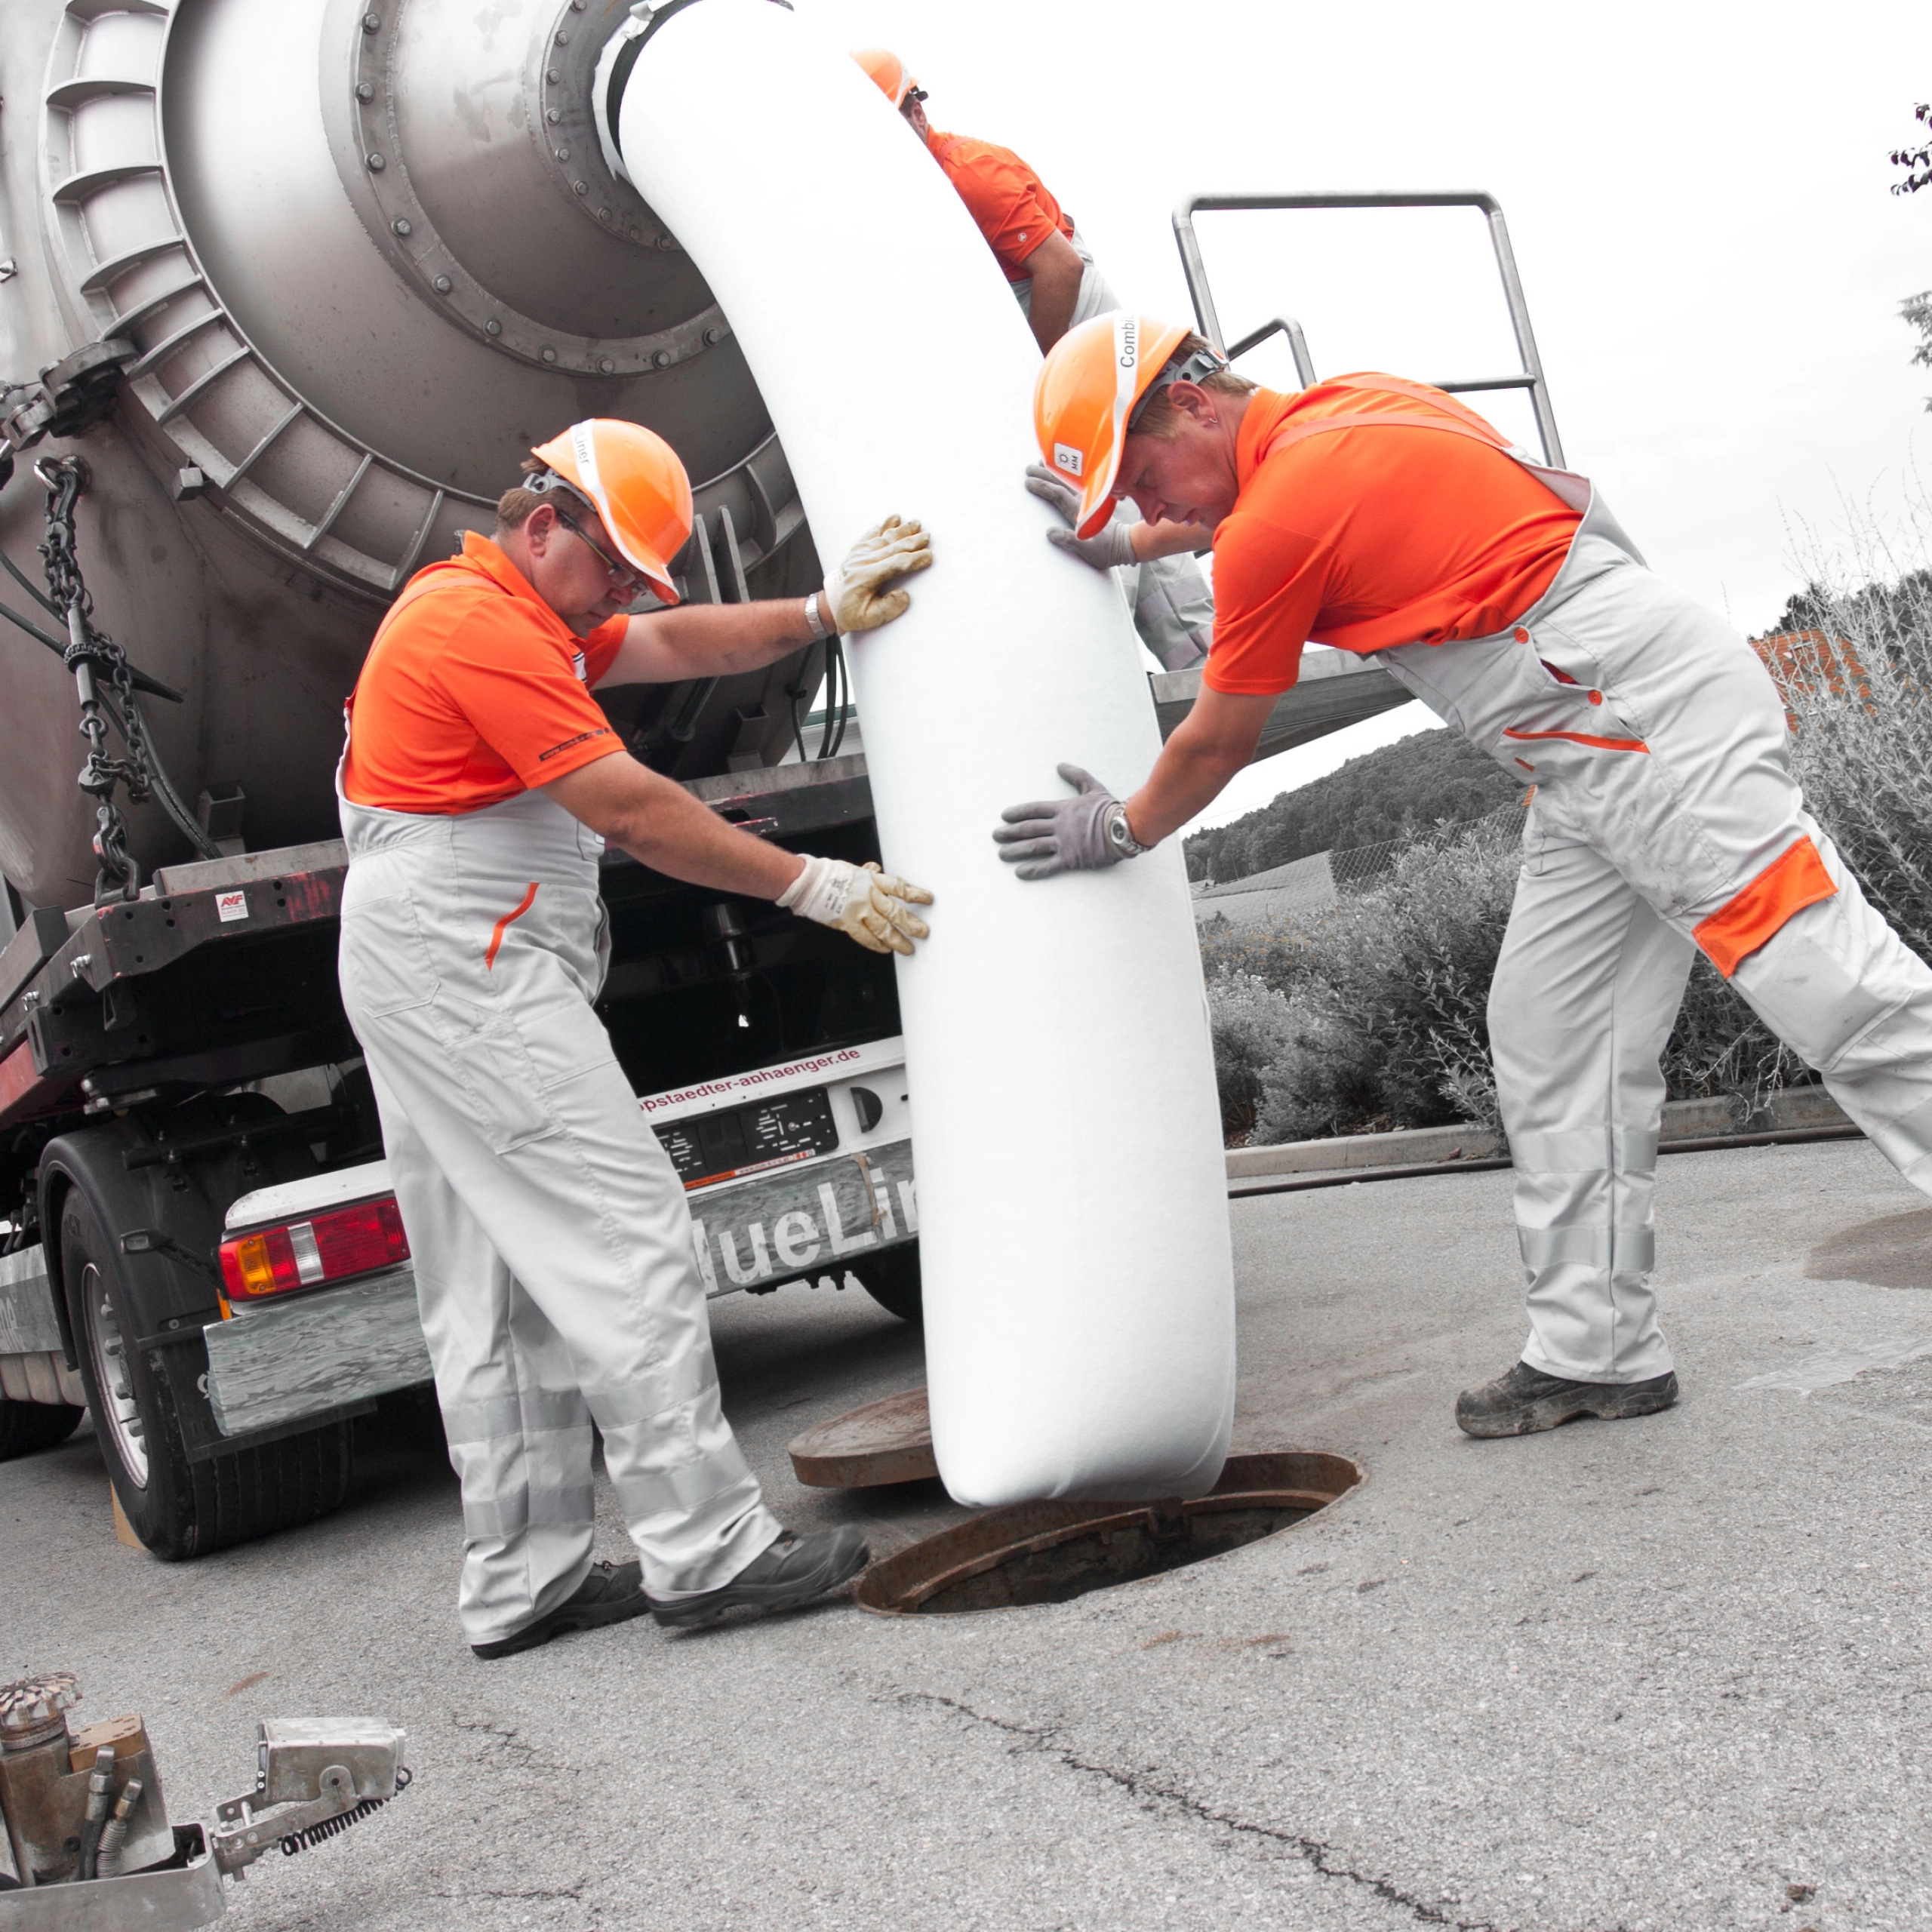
(1079,834)
(1111,548)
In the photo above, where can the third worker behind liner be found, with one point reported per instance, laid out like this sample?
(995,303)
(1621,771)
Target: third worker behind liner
(1051,271)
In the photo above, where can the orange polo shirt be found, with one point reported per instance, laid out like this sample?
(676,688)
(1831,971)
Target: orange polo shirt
(1010,202)
(474,690)
(1413,529)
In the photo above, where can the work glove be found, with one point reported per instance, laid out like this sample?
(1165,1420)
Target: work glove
(856,598)
(1077,835)
(1111,548)
(873,907)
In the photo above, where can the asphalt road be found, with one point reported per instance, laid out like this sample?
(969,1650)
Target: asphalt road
(1653,1673)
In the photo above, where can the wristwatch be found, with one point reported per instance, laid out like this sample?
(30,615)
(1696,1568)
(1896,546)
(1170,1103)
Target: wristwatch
(1121,842)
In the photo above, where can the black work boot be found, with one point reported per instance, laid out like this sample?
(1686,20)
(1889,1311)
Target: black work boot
(791,1571)
(1526,1400)
(612,1592)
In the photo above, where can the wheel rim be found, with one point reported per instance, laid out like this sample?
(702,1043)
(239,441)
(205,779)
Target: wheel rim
(121,1414)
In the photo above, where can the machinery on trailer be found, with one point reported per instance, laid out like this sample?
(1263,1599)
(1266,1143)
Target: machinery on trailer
(301,282)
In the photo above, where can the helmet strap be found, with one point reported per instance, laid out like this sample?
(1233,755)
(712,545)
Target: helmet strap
(1190,367)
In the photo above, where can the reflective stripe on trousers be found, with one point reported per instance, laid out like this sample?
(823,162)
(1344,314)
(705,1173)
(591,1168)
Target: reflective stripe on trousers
(1173,607)
(1656,741)
(555,1272)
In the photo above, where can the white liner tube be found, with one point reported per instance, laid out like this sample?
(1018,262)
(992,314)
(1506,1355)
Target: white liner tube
(1078,1286)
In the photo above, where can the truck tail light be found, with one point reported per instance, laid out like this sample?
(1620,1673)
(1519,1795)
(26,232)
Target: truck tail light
(306,1254)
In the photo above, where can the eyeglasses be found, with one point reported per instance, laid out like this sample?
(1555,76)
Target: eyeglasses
(622,575)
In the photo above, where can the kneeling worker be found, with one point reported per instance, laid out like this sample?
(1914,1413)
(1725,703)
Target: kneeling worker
(1054,278)
(1383,517)
(555,1270)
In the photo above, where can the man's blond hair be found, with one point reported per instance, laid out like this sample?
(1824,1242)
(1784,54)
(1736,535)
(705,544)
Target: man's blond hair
(1158,418)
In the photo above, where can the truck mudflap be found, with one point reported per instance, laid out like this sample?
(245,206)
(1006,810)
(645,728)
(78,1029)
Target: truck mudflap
(280,1362)
(33,1359)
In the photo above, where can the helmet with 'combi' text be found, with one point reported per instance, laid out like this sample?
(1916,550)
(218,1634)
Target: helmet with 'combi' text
(1087,389)
(638,486)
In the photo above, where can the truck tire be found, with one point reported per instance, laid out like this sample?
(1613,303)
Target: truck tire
(179,1508)
(27,1426)
(892,1280)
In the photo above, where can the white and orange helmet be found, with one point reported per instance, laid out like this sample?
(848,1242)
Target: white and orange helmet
(1094,380)
(633,477)
(889,74)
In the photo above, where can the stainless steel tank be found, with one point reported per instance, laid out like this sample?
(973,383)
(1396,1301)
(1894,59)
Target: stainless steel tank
(366,254)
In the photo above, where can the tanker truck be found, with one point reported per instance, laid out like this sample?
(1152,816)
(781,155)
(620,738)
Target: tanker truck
(287,289)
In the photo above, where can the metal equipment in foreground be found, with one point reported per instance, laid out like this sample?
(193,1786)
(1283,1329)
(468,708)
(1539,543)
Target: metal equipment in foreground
(88,1839)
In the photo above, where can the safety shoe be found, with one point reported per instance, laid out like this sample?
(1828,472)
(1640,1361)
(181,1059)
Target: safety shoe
(612,1592)
(1527,1400)
(791,1571)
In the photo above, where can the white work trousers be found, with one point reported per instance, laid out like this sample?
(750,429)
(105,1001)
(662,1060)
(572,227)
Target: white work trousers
(1173,607)
(1664,803)
(555,1272)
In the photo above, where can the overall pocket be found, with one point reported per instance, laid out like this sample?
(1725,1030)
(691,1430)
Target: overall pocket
(384,959)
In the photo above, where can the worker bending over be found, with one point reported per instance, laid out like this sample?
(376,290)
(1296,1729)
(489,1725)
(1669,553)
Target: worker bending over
(555,1270)
(1053,276)
(1383,517)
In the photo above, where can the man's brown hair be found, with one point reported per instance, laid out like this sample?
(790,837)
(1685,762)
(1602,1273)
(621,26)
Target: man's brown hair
(1158,417)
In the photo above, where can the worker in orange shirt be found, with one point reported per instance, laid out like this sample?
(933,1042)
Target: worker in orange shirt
(1052,274)
(555,1272)
(1383,517)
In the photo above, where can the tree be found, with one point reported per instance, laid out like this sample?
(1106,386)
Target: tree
(1917,309)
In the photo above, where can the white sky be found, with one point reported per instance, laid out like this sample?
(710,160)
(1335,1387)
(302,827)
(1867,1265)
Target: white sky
(1696,193)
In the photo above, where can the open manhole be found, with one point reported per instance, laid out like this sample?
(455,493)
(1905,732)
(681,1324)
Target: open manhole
(1047,1553)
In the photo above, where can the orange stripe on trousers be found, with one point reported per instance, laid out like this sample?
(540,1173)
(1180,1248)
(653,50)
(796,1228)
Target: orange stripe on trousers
(505,923)
(1785,887)
(1582,738)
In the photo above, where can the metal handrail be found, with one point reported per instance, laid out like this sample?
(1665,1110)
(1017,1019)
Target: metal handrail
(1530,377)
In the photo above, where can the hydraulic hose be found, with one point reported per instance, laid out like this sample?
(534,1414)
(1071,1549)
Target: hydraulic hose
(100,1800)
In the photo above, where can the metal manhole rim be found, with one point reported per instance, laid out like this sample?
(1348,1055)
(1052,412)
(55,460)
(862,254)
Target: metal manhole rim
(1108,1518)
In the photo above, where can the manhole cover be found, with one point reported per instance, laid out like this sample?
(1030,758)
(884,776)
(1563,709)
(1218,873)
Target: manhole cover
(1047,1553)
(885,1441)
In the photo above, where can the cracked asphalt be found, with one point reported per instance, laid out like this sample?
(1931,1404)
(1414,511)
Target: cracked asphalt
(1669,1673)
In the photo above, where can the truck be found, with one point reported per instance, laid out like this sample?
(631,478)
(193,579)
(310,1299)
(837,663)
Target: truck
(297,285)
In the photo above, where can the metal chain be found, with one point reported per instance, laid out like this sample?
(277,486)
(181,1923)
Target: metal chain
(96,660)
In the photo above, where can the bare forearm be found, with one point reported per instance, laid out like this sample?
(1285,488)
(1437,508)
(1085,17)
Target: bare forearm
(1167,539)
(708,640)
(1215,741)
(659,824)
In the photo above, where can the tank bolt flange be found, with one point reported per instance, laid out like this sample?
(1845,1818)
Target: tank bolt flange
(553,75)
(493,327)
(711,338)
(562,154)
(372,21)
(400,226)
(581,187)
(377,164)
(549,355)
(442,284)
(563,37)
(607,365)
(661,359)
(665,242)
(365,91)
(553,116)
(603,215)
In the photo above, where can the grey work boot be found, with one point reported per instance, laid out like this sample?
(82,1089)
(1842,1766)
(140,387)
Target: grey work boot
(791,1571)
(1527,1400)
(612,1592)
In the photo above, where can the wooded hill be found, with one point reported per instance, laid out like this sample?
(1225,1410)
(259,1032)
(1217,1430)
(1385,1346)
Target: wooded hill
(1394,793)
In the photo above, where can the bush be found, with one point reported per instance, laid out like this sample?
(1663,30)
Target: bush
(1381,1018)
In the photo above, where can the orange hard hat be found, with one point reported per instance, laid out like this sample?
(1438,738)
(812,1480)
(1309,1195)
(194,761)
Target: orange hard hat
(633,477)
(888,73)
(1087,388)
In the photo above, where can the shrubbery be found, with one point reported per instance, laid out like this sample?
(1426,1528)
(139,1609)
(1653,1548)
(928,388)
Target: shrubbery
(1373,1013)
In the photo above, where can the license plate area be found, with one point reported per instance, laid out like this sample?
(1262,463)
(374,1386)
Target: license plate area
(747,1139)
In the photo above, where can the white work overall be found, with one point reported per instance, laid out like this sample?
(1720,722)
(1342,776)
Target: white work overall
(1173,607)
(551,1243)
(1663,797)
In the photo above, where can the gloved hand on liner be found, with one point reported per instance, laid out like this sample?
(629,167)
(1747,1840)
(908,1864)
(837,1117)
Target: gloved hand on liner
(1113,546)
(873,907)
(1067,834)
(856,598)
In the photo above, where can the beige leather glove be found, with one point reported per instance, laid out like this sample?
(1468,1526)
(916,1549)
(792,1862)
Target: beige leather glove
(856,598)
(873,907)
